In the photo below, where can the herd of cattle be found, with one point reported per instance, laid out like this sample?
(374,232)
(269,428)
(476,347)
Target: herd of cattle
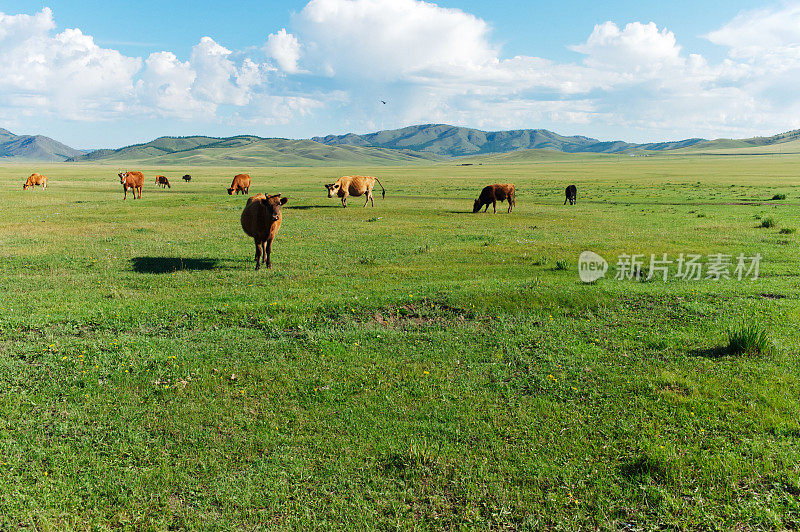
(261,217)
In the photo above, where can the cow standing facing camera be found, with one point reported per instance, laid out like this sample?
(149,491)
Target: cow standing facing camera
(131,180)
(261,219)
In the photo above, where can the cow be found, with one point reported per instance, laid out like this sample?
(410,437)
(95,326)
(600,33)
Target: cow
(162,181)
(240,183)
(187,178)
(354,185)
(35,180)
(571,193)
(131,180)
(491,194)
(261,219)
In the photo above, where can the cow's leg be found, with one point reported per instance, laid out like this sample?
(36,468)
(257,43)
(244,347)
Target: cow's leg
(258,254)
(494,206)
(344,201)
(269,253)
(486,209)
(366,202)
(126,192)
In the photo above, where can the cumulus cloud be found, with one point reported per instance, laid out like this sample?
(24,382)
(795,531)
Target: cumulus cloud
(67,75)
(284,48)
(166,85)
(390,39)
(64,73)
(638,47)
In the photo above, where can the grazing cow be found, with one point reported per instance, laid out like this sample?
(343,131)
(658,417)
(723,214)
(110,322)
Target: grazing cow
(354,185)
(131,180)
(261,219)
(162,181)
(240,183)
(35,180)
(572,195)
(187,178)
(492,194)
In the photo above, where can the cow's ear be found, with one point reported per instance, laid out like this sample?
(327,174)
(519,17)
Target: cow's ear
(284,200)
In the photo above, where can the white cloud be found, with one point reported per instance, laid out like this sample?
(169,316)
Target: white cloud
(285,49)
(754,33)
(219,79)
(638,47)
(165,88)
(390,39)
(66,73)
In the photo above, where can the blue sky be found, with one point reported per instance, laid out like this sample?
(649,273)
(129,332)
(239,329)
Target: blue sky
(96,74)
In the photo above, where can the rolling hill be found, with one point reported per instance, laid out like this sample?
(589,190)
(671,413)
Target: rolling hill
(428,143)
(252,150)
(788,142)
(33,148)
(452,141)
(530,156)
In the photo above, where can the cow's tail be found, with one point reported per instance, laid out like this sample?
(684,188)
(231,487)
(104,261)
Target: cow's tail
(383,193)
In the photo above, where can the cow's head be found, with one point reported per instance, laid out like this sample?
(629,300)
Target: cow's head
(122,176)
(333,189)
(230,191)
(477,205)
(274,204)
(25,186)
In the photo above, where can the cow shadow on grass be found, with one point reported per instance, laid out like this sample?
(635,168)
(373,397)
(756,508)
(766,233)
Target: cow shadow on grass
(171,264)
(307,207)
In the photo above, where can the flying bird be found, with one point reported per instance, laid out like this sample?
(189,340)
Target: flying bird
(384,103)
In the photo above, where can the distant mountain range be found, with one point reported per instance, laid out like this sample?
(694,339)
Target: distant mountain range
(33,148)
(452,141)
(423,143)
(251,150)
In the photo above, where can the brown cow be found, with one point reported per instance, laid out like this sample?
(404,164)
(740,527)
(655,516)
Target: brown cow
(162,181)
(35,180)
(494,193)
(261,219)
(240,183)
(354,185)
(131,180)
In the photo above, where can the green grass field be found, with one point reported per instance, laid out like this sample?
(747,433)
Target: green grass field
(411,366)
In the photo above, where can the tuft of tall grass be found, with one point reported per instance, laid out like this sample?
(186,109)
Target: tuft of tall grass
(768,222)
(748,339)
(779,197)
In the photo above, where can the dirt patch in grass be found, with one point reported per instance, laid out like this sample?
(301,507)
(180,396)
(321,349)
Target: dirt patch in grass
(422,313)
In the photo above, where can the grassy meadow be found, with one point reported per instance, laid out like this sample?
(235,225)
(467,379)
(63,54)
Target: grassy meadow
(411,366)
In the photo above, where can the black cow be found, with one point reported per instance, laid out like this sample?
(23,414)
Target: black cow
(572,195)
